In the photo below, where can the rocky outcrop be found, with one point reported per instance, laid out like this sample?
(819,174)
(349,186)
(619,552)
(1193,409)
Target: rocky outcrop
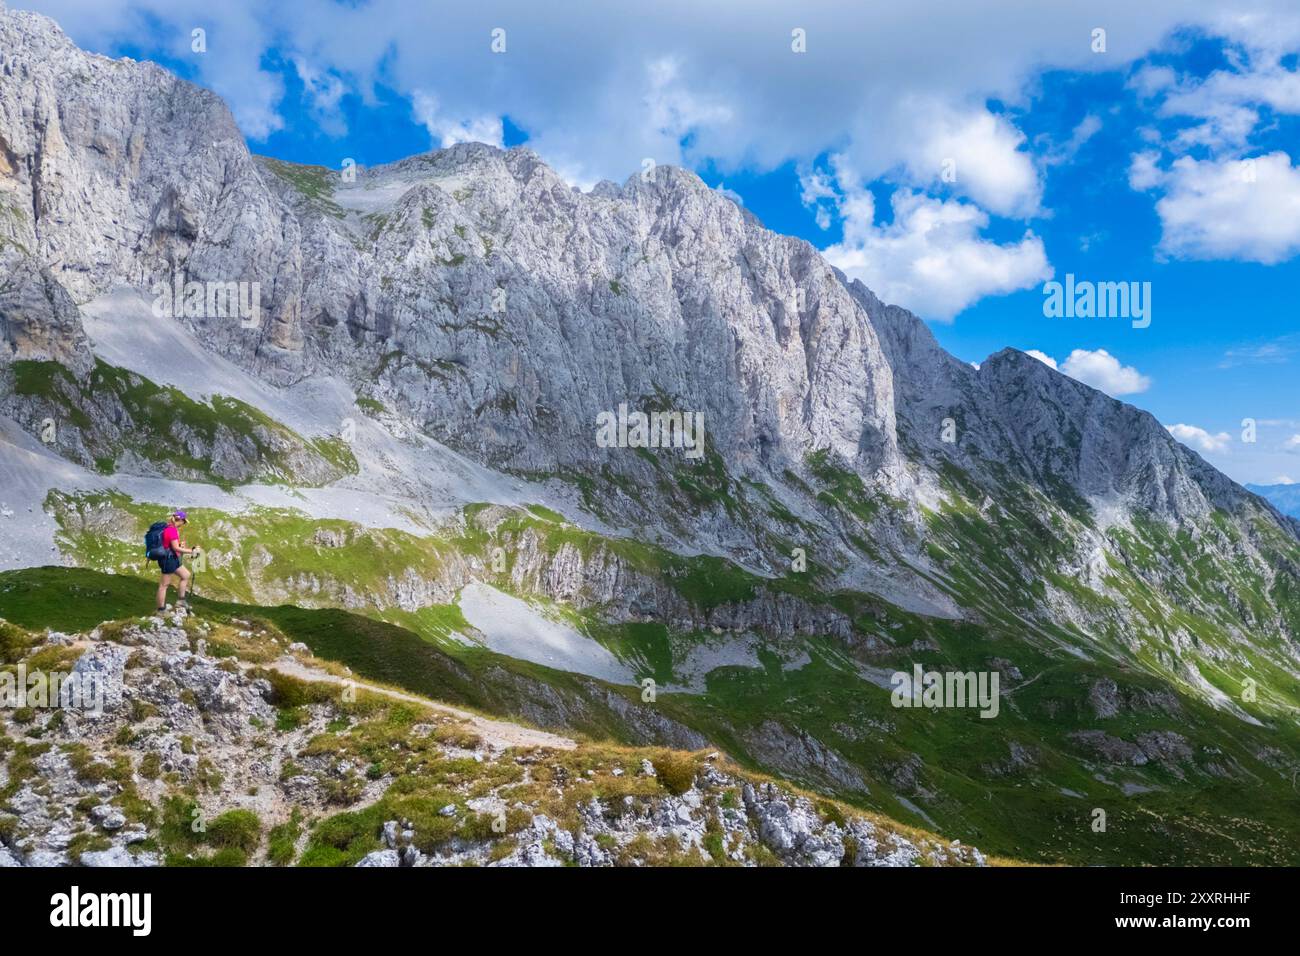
(38,319)
(194,758)
(130,174)
(111,420)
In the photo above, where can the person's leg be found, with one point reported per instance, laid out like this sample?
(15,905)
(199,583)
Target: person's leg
(163,584)
(183,588)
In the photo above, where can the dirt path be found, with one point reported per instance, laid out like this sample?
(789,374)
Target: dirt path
(497,733)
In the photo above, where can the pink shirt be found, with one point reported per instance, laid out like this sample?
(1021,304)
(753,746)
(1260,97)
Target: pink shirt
(170,534)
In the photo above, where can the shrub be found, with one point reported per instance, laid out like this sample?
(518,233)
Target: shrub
(14,643)
(282,840)
(237,829)
(676,771)
(289,691)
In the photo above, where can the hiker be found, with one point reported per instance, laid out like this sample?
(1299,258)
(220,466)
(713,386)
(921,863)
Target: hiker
(163,544)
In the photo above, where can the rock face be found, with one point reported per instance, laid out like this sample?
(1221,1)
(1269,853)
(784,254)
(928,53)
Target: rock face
(111,420)
(38,319)
(131,175)
(97,680)
(107,199)
(505,311)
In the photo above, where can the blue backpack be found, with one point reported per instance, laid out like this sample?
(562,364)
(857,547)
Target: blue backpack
(153,546)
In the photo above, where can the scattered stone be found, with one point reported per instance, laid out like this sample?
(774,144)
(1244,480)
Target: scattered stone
(118,857)
(108,817)
(381,858)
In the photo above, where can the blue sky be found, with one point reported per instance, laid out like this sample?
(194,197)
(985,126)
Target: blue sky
(953,159)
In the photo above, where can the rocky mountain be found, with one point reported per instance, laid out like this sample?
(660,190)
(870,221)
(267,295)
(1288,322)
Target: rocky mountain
(384,390)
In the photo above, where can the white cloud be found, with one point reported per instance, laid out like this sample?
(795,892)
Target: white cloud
(672,108)
(325,90)
(982,152)
(1199,438)
(599,90)
(1144,170)
(1103,371)
(1042,357)
(1275,352)
(1099,369)
(730,194)
(815,185)
(931,258)
(1215,204)
(1226,103)
(448,132)
(1225,209)
(1292,443)
(1151,80)
(1087,128)
(1284,480)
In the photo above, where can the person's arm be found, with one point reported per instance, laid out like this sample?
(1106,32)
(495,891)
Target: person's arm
(179,548)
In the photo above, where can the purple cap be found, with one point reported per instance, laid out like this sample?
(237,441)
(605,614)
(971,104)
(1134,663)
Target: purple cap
(180,515)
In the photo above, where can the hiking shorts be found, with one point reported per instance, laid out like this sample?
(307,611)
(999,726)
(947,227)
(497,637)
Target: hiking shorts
(169,564)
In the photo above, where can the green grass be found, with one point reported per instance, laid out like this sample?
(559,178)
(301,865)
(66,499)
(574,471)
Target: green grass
(188,839)
(1228,803)
(1200,819)
(157,415)
(106,531)
(315,183)
(282,839)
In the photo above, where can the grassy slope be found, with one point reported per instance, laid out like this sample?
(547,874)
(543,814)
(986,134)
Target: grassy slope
(400,740)
(1198,819)
(158,414)
(1229,801)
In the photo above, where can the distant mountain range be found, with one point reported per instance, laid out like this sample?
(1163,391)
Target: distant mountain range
(1286,498)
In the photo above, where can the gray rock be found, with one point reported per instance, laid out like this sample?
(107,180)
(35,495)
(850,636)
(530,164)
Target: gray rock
(381,858)
(95,684)
(117,857)
(108,817)
(42,857)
